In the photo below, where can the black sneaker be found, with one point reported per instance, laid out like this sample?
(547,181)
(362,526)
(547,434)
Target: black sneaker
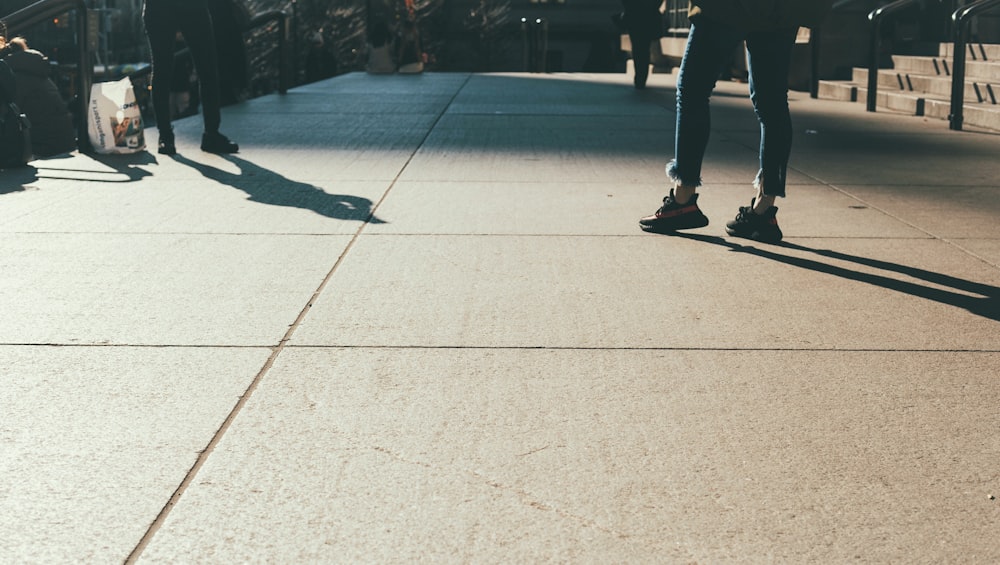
(673,216)
(758,227)
(218,143)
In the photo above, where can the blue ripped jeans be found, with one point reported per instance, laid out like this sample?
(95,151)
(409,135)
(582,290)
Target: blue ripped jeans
(709,48)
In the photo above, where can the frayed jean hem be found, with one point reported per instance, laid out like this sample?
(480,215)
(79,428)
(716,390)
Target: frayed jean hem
(675,176)
(780,193)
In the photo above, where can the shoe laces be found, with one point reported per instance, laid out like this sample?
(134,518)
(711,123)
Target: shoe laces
(745,214)
(668,202)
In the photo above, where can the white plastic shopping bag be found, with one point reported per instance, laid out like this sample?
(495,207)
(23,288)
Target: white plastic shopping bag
(114,121)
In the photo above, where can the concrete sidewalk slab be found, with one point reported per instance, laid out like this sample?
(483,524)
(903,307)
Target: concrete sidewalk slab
(958,212)
(682,292)
(94,440)
(153,289)
(399,455)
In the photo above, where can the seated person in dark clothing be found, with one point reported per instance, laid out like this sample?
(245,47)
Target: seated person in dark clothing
(52,130)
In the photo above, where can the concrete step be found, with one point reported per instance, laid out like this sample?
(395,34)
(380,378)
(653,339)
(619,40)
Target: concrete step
(982,115)
(978,115)
(838,90)
(921,86)
(941,66)
(986,116)
(982,70)
(929,66)
(934,86)
(975,90)
(976,52)
(858,92)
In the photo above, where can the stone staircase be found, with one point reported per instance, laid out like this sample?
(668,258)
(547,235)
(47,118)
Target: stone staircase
(921,85)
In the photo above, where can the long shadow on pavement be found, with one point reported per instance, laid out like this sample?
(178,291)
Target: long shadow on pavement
(987,304)
(268,187)
(120,168)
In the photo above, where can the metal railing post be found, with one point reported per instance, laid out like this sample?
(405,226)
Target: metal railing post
(875,45)
(284,38)
(525,46)
(962,18)
(955,115)
(543,57)
(814,45)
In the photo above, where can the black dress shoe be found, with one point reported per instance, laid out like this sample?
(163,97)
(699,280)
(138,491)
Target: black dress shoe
(166,143)
(166,147)
(218,143)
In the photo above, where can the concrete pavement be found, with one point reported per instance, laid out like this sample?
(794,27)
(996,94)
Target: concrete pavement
(414,319)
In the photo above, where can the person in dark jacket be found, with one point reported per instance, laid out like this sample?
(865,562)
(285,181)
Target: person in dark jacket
(52,129)
(768,28)
(643,21)
(163,19)
(408,52)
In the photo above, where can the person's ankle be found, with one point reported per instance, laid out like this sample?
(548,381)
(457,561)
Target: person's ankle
(683,194)
(762,203)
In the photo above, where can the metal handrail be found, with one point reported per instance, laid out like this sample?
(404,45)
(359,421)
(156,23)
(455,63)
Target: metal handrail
(45,9)
(535,44)
(962,18)
(284,37)
(876,17)
(815,43)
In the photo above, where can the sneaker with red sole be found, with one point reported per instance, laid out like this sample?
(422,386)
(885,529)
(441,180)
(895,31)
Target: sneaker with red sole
(673,216)
(758,227)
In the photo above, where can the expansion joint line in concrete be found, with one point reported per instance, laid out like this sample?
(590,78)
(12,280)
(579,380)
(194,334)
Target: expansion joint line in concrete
(417,149)
(665,349)
(276,351)
(949,241)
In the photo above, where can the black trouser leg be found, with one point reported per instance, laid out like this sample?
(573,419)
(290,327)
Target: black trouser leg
(197,29)
(160,32)
(640,57)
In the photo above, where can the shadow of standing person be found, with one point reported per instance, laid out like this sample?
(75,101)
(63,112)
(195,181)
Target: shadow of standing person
(977,298)
(267,187)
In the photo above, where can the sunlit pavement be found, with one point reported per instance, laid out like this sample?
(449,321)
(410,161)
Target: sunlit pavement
(415,319)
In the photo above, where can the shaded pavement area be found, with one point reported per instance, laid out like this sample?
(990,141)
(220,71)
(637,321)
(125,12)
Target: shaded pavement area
(415,319)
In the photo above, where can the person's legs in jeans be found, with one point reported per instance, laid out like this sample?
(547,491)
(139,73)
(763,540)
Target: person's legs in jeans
(769,61)
(768,64)
(709,47)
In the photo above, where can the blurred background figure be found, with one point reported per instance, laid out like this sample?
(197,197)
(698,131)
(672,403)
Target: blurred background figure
(380,48)
(52,129)
(408,52)
(320,61)
(643,21)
